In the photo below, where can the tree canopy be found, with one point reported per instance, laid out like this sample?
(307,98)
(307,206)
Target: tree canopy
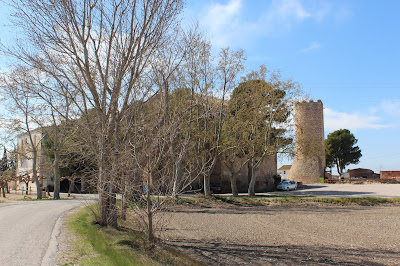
(341,150)
(256,109)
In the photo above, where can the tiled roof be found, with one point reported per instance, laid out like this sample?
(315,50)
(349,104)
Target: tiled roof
(285,167)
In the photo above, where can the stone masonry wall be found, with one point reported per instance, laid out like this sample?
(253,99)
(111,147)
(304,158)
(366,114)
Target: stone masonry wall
(309,162)
(265,177)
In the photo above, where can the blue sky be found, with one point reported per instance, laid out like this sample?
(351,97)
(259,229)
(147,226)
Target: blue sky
(344,52)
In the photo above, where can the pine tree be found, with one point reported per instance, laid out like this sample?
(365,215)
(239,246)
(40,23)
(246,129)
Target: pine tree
(4,162)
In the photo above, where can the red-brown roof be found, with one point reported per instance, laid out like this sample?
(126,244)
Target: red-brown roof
(285,167)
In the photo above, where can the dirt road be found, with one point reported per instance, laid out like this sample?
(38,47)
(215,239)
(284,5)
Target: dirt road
(284,235)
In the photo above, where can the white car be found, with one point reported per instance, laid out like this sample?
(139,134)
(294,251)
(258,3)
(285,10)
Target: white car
(287,185)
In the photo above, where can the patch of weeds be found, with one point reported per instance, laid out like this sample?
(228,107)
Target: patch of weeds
(289,200)
(365,201)
(98,245)
(230,200)
(196,199)
(262,200)
(35,199)
(181,201)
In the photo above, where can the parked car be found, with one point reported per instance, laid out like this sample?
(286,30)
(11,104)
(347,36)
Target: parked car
(217,188)
(287,185)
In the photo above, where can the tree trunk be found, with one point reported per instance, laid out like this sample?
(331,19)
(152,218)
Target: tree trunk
(27,188)
(113,214)
(178,177)
(252,183)
(103,197)
(124,199)
(207,178)
(3,189)
(103,207)
(35,176)
(107,197)
(124,207)
(231,167)
(207,190)
(56,170)
(71,184)
(149,212)
(235,192)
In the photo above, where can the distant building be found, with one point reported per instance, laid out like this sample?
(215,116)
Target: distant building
(330,176)
(283,171)
(390,175)
(362,173)
(25,160)
(44,165)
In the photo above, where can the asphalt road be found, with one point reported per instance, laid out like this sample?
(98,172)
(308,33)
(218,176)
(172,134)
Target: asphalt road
(29,230)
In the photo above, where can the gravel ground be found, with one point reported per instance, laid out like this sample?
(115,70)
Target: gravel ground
(346,190)
(286,235)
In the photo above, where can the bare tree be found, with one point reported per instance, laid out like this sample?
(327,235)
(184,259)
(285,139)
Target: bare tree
(100,51)
(60,125)
(212,86)
(22,104)
(26,178)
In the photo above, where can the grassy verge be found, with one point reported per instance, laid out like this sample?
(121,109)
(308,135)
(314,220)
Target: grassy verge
(96,245)
(285,199)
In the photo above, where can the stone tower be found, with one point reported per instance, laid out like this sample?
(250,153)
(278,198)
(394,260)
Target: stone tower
(309,162)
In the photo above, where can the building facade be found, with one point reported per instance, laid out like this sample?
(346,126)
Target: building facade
(362,173)
(25,155)
(284,170)
(390,175)
(266,179)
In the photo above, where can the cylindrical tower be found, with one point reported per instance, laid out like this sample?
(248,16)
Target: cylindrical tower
(309,162)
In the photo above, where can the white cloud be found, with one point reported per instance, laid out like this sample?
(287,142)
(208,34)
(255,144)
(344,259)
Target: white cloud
(335,120)
(222,14)
(313,46)
(343,14)
(221,20)
(229,24)
(391,108)
(290,8)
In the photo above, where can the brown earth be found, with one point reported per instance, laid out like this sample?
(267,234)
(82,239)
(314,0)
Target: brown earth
(313,234)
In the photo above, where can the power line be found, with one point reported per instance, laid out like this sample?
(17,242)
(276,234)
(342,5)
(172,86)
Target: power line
(382,156)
